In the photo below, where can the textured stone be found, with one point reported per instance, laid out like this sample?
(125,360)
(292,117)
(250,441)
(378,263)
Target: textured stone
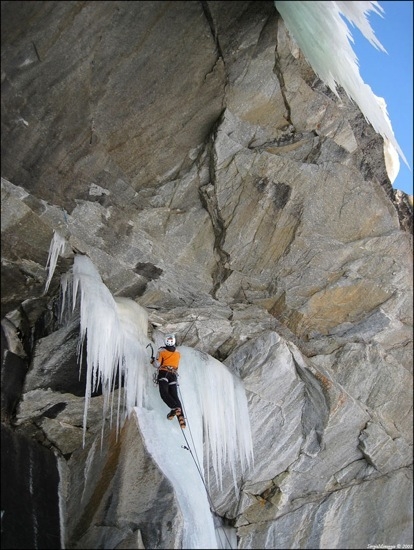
(189,150)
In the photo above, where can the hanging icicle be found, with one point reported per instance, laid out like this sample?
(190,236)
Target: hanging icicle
(113,344)
(57,246)
(325,40)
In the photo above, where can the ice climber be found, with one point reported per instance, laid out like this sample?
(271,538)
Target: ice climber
(167,362)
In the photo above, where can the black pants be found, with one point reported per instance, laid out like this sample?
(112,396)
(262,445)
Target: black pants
(167,383)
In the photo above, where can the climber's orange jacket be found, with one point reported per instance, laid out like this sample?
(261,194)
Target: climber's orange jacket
(167,358)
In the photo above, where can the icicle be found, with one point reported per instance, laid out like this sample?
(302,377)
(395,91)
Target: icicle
(114,333)
(65,296)
(57,246)
(218,397)
(134,324)
(325,41)
(99,329)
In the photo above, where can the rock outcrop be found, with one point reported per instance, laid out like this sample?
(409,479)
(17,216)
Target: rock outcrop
(189,150)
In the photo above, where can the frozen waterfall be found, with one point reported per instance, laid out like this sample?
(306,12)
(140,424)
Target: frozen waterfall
(113,334)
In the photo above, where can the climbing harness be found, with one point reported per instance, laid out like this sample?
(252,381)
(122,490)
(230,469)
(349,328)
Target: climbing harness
(169,369)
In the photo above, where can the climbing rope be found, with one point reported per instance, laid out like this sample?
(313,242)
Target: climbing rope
(197,463)
(187,447)
(186,332)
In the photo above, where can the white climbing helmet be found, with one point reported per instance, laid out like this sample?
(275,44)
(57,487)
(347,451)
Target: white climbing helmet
(170,340)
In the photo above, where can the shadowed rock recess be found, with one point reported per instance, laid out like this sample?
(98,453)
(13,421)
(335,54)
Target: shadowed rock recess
(189,150)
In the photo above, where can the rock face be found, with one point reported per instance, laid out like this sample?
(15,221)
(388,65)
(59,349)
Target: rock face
(189,150)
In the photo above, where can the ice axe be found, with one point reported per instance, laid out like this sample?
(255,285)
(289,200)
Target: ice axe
(155,375)
(152,351)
